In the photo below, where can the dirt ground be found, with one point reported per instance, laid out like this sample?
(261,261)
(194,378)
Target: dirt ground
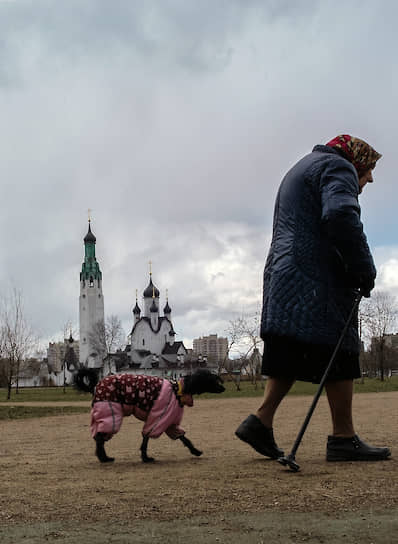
(53,489)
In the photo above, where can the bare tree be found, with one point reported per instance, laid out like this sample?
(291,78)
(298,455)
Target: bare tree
(96,338)
(243,342)
(3,363)
(106,337)
(17,338)
(378,316)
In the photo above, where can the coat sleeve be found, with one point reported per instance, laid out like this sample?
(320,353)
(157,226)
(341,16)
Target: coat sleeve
(341,222)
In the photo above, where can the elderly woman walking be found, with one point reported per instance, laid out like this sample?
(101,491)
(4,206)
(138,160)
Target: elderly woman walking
(318,262)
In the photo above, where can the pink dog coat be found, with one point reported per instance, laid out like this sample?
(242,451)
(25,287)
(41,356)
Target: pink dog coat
(148,398)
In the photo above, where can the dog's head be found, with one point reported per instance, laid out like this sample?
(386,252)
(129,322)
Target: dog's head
(86,379)
(202,381)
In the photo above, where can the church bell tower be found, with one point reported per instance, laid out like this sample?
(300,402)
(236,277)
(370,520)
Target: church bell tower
(91,301)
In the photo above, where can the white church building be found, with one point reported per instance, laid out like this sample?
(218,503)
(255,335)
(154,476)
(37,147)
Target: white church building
(152,347)
(91,302)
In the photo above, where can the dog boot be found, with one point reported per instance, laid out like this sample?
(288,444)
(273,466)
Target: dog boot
(259,437)
(100,449)
(353,449)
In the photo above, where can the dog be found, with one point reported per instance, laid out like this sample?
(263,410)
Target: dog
(157,401)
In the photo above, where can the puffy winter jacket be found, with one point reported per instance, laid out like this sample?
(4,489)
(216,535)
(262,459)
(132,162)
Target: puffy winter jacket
(319,256)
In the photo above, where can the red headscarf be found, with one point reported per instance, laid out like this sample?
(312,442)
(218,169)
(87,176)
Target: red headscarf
(358,152)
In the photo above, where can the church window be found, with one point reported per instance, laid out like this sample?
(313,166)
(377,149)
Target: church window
(143,341)
(91,281)
(99,296)
(84,296)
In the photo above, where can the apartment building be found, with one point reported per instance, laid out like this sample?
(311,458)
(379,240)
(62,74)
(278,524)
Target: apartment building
(213,347)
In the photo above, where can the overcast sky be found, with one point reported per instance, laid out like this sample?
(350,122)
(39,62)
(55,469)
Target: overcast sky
(174,121)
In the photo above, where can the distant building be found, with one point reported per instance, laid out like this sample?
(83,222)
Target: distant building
(214,348)
(391,340)
(34,373)
(56,369)
(153,348)
(56,352)
(91,301)
(63,361)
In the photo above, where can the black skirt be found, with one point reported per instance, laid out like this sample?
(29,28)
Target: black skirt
(290,359)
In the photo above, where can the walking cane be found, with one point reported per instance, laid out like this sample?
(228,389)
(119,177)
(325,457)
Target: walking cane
(290,460)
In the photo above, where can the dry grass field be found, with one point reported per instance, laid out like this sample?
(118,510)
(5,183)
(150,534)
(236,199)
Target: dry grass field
(53,489)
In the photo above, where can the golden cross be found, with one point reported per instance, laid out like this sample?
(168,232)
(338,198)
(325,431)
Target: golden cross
(89,214)
(150,268)
(167,295)
(136,295)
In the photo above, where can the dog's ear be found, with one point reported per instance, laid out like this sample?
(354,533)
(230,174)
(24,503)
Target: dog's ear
(203,381)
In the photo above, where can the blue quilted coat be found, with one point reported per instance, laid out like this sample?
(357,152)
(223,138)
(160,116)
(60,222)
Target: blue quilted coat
(319,256)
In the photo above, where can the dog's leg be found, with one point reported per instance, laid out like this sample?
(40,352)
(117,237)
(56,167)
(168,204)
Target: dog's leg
(187,443)
(144,448)
(100,449)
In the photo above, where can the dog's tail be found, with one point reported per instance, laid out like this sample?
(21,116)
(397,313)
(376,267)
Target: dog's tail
(86,379)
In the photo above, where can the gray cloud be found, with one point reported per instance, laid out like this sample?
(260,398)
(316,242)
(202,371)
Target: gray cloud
(175,121)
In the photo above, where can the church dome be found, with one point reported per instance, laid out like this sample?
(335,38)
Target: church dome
(167,309)
(153,307)
(136,309)
(151,290)
(90,236)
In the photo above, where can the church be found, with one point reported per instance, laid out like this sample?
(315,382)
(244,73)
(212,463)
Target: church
(152,343)
(151,347)
(91,302)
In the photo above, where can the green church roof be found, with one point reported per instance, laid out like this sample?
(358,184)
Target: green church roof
(90,266)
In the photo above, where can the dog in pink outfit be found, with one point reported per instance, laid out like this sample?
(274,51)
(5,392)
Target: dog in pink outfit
(156,401)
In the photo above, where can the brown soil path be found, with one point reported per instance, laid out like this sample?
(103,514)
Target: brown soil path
(51,483)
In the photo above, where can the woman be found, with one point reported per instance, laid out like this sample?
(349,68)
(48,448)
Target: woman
(318,261)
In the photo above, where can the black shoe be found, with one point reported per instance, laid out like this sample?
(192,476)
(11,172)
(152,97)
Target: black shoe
(259,437)
(353,449)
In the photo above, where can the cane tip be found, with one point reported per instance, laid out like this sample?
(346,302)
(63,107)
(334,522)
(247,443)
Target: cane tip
(290,462)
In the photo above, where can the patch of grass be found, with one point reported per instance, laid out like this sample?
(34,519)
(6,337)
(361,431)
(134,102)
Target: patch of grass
(25,412)
(247,389)
(45,394)
(374,385)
